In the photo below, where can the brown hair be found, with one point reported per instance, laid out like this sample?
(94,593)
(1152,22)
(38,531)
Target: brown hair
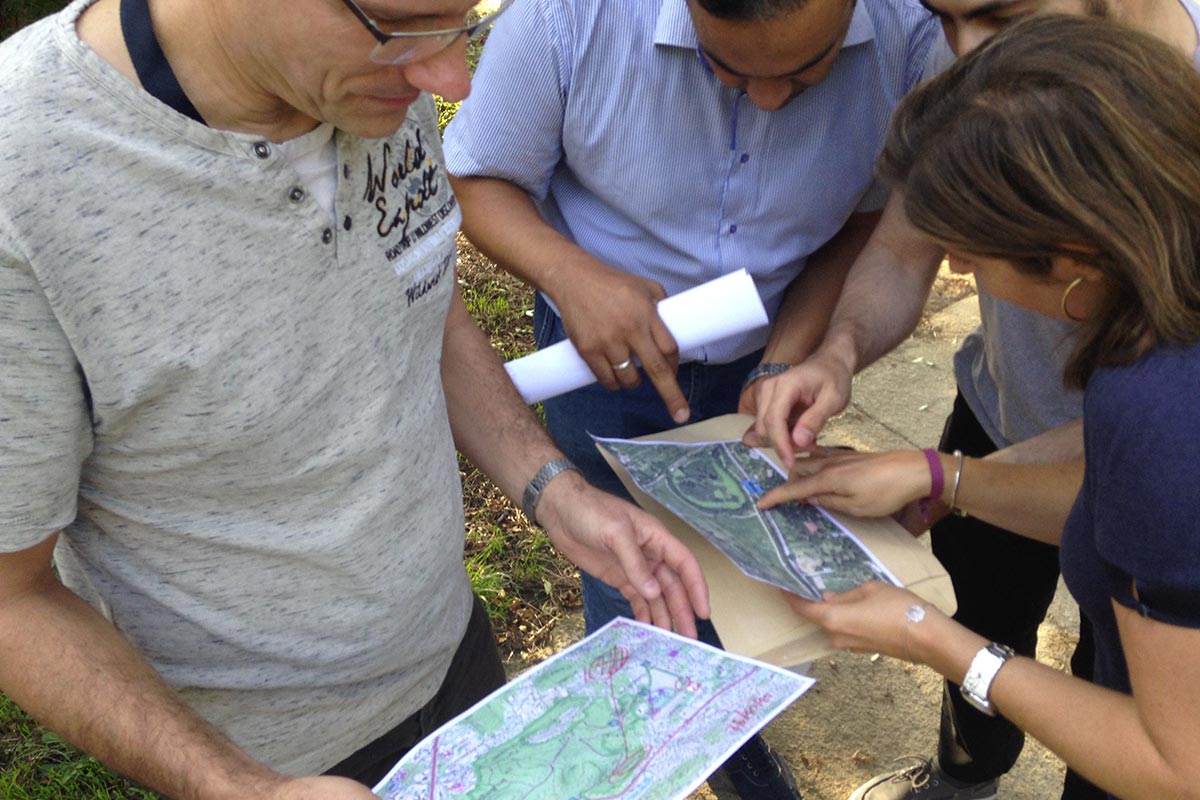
(1067,131)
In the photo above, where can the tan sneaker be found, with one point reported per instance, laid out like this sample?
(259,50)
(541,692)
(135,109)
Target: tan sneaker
(919,778)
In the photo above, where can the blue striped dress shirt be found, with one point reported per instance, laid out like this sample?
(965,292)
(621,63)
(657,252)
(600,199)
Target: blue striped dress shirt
(604,112)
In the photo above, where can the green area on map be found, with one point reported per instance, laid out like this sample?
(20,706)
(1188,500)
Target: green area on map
(713,486)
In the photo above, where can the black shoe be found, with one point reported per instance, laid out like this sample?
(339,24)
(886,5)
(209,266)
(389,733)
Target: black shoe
(758,773)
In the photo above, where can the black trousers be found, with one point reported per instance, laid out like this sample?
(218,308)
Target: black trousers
(475,672)
(1004,584)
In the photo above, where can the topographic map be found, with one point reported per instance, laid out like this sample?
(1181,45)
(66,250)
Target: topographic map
(713,486)
(631,711)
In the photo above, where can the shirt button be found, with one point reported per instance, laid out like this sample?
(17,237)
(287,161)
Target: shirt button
(347,222)
(262,150)
(296,194)
(733,228)
(345,170)
(327,236)
(745,157)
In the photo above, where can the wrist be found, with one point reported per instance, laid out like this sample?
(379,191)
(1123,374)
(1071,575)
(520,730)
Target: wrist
(838,349)
(952,465)
(943,644)
(764,370)
(535,493)
(546,507)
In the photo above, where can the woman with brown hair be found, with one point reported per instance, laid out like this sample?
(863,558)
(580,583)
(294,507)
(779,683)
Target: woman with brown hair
(1060,164)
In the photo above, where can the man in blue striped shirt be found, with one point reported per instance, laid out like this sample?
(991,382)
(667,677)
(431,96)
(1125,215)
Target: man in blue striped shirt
(620,151)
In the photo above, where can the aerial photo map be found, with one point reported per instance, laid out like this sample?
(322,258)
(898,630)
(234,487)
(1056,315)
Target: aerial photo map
(630,712)
(713,486)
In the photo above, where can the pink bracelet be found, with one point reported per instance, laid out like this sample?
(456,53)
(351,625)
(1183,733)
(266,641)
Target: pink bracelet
(937,482)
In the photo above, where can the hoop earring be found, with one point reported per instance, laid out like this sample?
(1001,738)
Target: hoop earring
(1070,288)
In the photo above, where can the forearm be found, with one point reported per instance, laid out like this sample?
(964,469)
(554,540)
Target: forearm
(1064,443)
(1100,733)
(77,675)
(502,221)
(490,422)
(808,304)
(884,292)
(1030,499)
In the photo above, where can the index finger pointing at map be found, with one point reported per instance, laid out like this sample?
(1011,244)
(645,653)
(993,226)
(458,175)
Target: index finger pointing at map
(715,487)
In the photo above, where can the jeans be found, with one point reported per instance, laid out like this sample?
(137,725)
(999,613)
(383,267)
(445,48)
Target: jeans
(711,390)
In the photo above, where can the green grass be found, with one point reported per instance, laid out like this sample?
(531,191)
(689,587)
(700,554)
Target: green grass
(37,765)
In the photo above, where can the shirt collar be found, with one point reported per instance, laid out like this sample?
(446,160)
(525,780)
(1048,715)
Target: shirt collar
(674,27)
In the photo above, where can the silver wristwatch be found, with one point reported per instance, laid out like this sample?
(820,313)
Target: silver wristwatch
(763,371)
(981,673)
(533,489)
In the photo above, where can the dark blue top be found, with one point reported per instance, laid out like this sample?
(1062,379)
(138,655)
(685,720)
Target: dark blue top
(1134,532)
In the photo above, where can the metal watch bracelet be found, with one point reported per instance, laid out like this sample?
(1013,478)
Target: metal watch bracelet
(763,370)
(533,490)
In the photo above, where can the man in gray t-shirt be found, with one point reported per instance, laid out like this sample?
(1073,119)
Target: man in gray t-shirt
(236,370)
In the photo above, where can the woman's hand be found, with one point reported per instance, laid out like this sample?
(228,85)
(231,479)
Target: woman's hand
(870,619)
(862,484)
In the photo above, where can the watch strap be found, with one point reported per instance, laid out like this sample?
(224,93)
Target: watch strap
(764,370)
(977,683)
(533,490)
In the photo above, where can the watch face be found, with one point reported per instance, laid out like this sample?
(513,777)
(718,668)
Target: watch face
(978,680)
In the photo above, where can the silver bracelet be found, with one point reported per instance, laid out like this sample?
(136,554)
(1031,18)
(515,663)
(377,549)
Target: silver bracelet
(958,465)
(764,370)
(533,490)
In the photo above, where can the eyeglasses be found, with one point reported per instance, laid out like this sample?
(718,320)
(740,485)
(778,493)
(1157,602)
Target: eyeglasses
(407,46)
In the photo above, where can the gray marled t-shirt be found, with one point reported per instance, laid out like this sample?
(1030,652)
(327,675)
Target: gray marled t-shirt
(233,408)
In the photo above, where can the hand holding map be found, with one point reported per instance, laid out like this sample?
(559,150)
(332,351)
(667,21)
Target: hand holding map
(630,712)
(714,487)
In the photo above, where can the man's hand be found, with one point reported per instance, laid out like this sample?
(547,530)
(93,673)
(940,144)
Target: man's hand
(792,408)
(612,319)
(626,548)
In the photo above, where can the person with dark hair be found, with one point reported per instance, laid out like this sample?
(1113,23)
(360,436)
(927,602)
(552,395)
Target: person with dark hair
(1060,164)
(619,152)
(236,370)
(1011,406)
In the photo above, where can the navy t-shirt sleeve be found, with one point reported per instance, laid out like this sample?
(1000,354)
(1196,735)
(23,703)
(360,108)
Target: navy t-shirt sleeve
(1143,450)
